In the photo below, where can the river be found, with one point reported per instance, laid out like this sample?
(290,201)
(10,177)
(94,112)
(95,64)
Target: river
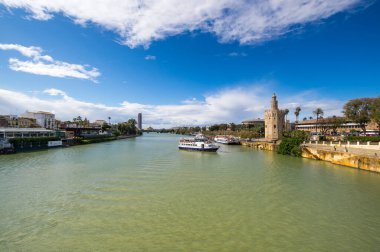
(144,194)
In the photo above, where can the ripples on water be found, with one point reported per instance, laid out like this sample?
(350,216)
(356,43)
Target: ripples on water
(145,195)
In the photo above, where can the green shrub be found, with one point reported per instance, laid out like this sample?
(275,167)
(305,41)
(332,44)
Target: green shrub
(364,138)
(95,140)
(290,146)
(303,135)
(33,140)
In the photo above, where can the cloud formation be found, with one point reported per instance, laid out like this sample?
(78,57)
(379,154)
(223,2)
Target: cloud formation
(41,64)
(229,105)
(150,57)
(141,22)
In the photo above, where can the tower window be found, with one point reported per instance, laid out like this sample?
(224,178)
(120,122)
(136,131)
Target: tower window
(274,126)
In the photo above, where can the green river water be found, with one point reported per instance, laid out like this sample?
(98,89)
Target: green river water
(144,194)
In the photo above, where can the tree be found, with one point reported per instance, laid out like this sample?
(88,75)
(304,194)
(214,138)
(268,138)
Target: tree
(109,120)
(105,126)
(233,126)
(335,122)
(214,127)
(132,122)
(223,126)
(286,112)
(126,128)
(304,119)
(375,112)
(297,113)
(86,122)
(358,110)
(318,112)
(78,121)
(324,126)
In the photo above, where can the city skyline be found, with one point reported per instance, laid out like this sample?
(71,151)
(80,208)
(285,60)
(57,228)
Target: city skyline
(200,68)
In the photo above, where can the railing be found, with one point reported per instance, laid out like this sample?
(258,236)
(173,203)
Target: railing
(348,144)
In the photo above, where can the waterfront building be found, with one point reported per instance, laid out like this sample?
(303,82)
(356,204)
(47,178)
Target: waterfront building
(274,121)
(326,125)
(72,132)
(43,119)
(7,133)
(8,121)
(254,122)
(3,122)
(139,121)
(13,121)
(23,122)
(100,122)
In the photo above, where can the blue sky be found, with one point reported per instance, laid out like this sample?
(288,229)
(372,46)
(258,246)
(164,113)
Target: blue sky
(186,64)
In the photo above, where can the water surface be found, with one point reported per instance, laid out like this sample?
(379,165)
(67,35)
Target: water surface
(145,195)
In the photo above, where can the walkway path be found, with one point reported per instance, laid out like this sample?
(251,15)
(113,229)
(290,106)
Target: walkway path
(356,151)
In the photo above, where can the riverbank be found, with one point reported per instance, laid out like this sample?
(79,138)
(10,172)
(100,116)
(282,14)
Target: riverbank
(260,145)
(349,159)
(64,143)
(362,159)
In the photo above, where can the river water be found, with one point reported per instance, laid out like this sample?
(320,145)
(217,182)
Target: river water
(144,194)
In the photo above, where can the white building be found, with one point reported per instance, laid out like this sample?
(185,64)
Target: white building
(43,119)
(100,122)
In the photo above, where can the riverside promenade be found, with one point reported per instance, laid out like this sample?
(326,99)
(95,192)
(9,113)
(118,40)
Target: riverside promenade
(354,149)
(361,156)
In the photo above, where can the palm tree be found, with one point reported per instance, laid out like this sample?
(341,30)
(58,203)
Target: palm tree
(297,113)
(109,120)
(318,112)
(286,112)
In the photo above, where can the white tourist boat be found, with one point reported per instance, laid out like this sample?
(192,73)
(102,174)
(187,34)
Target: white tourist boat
(200,138)
(197,145)
(223,139)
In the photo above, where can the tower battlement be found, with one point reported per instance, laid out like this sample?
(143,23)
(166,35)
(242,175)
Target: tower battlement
(274,121)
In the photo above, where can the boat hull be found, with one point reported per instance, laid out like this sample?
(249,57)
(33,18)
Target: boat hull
(198,149)
(226,142)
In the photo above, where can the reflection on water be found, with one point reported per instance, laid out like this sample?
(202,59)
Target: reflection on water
(145,195)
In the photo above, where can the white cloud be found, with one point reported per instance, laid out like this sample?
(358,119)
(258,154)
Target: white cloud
(54,92)
(141,22)
(30,52)
(229,105)
(236,54)
(45,65)
(150,57)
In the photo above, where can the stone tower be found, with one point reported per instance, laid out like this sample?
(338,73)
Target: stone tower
(274,121)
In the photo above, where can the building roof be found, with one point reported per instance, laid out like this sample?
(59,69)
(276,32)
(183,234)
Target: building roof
(253,120)
(39,112)
(25,130)
(320,120)
(43,112)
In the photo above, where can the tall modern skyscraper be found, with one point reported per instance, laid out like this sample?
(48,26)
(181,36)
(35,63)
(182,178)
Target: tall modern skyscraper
(139,121)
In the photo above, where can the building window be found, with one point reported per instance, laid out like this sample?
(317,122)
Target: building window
(274,126)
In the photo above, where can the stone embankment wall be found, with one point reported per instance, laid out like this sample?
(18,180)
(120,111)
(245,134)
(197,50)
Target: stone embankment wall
(260,145)
(343,158)
(348,144)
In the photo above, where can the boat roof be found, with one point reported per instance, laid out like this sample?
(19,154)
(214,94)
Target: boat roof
(25,130)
